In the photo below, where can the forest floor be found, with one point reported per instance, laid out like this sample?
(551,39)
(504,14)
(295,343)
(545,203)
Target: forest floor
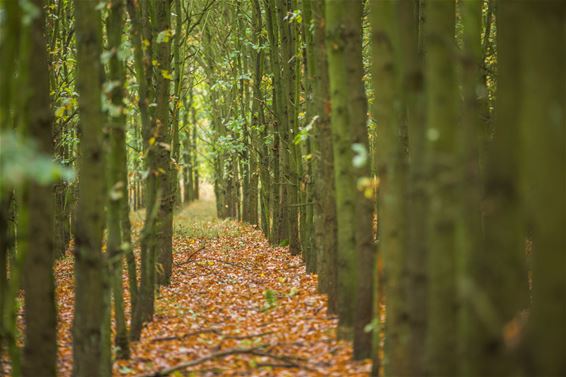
(236,306)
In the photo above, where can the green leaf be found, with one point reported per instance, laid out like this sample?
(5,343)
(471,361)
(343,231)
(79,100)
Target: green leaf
(361,155)
(165,36)
(30,11)
(106,56)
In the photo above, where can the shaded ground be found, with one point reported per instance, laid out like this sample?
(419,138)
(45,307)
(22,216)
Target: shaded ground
(231,293)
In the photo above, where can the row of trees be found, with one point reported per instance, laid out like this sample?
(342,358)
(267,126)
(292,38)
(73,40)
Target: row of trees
(460,165)
(411,151)
(82,90)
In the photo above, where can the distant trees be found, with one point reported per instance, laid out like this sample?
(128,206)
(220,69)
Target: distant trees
(444,174)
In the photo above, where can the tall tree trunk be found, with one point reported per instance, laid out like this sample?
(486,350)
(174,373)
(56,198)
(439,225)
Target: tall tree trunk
(388,147)
(339,34)
(142,311)
(256,125)
(90,285)
(277,193)
(289,201)
(471,259)
(117,177)
(40,347)
(175,111)
(325,227)
(9,283)
(543,175)
(164,226)
(442,118)
(504,279)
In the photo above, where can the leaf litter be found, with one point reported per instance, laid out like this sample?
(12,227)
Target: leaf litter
(236,306)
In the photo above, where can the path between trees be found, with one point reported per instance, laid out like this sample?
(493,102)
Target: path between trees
(236,307)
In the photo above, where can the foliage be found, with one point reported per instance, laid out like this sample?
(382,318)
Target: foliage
(21,162)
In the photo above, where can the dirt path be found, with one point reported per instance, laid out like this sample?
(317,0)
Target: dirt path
(230,292)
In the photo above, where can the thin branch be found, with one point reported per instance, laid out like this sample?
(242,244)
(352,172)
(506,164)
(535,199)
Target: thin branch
(216,355)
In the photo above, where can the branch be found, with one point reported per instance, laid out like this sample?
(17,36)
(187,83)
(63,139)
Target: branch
(233,351)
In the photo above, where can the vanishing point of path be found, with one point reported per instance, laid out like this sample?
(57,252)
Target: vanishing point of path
(246,307)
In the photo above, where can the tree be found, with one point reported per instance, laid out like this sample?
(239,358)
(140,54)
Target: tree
(91,286)
(40,348)
(542,175)
(162,138)
(442,118)
(388,152)
(117,178)
(353,209)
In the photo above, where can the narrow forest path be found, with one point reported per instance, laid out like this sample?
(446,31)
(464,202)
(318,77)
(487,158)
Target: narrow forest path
(231,291)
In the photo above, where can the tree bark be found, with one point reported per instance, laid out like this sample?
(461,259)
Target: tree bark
(90,285)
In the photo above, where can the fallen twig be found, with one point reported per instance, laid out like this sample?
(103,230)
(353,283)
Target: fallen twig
(233,351)
(208,331)
(191,255)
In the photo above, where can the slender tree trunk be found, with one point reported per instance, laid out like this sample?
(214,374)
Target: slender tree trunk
(504,280)
(256,125)
(289,201)
(543,176)
(117,178)
(143,310)
(339,34)
(471,259)
(164,224)
(175,140)
(40,347)
(390,212)
(90,285)
(325,227)
(278,193)
(442,117)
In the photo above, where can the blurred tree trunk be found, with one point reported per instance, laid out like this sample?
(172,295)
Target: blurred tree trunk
(343,25)
(388,149)
(40,346)
(543,176)
(504,271)
(442,118)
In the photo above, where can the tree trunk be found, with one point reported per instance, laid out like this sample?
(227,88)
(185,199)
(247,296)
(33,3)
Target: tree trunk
(164,225)
(339,34)
(324,186)
(40,346)
(442,118)
(543,176)
(90,285)
(117,178)
(504,279)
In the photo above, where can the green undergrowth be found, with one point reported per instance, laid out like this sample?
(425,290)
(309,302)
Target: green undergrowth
(198,220)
